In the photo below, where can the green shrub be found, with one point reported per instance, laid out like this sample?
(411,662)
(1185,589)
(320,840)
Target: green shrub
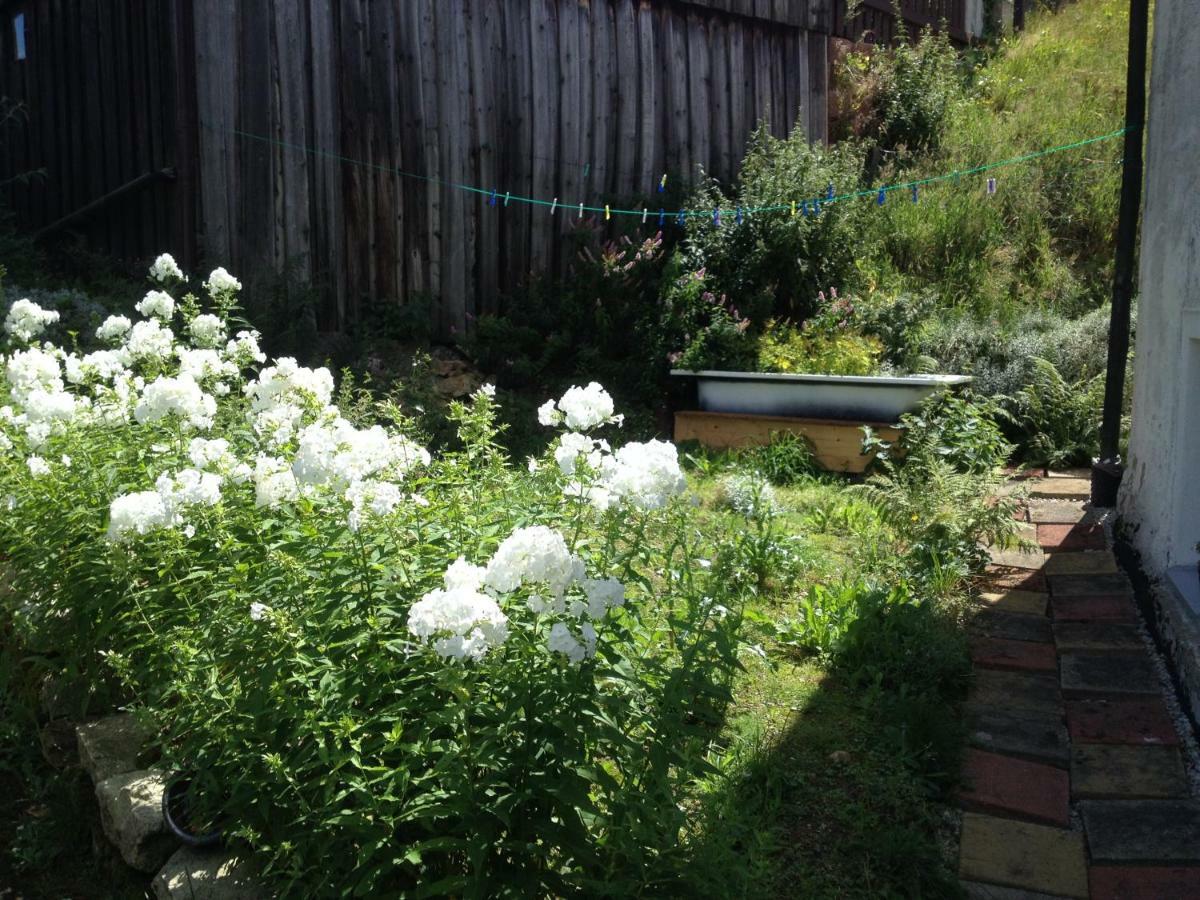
(785,348)
(1061,421)
(787,459)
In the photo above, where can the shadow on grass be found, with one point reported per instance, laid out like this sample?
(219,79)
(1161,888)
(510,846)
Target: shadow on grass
(837,776)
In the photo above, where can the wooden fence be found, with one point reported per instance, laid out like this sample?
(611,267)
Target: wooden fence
(326,136)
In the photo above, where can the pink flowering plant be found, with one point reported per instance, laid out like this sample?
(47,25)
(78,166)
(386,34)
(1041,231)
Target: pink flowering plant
(399,671)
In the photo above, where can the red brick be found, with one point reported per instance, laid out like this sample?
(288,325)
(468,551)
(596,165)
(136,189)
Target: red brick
(1140,722)
(1009,786)
(1143,883)
(1093,608)
(1015,656)
(998,578)
(1078,536)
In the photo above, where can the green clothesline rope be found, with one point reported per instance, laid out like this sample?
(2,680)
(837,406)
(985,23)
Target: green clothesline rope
(496,196)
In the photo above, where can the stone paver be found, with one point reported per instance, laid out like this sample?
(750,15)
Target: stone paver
(997,578)
(1012,627)
(1094,673)
(1094,608)
(1060,512)
(207,875)
(1060,488)
(1116,770)
(1032,736)
(995,783)
(131,815)
(1142,831)
(1034,692)
(1141,722)
(1142,883)
(110,746)
(1022,855)
(1081,562)
(977,890)
(1112,636)
(1080,536)
(1025,603)
(1015,656)
(1090,585)
(1019,559)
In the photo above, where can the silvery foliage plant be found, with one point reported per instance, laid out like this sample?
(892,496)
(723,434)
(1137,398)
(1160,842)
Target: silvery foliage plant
(398,668)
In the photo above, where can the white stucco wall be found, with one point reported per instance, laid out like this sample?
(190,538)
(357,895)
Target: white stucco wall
(1160,494)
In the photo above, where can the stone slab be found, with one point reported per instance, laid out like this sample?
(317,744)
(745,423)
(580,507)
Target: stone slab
(1033,692)
(1081,562)
(1062,512)
(1142,883)
(1113,770)
(1023,603)
(1141,722)
(995,783)
(131,815)
(110,746)
(1093,608)
(1002,578)
(1019,559)
(192,874)
(1142,831)
(1113,636)
(1079,536)
(977,890)
(1104,673)
(1089,585)
(1032,736)
(1060,488)
(1015,656)
(1022,855)
(1010,626)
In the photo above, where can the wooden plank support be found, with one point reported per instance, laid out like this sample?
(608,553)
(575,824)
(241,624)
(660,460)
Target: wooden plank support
(837,445)
(98,204)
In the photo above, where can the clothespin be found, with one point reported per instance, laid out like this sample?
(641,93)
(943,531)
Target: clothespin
(662,184)
(914,193)
(682,220)
(507,197)
(607,213)
(882,196)
(662,217)
(829,191)
(554,208)
(586,169)
(645,212)
(739,215)
(804,208)
(717,216)
(817,207)
(581,210)
(991,186)
(492,201)
(793,209)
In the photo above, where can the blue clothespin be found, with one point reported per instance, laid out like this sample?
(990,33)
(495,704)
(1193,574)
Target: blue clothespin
(829,191)
(492,201)
(662,217)
(914,193)
(991,186)
(882,196)
(662,185)
(817,207)
(717,216)
(804,207)
(739,215)
(682,220)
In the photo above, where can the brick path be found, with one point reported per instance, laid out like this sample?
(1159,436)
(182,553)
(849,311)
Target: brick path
(1074,782)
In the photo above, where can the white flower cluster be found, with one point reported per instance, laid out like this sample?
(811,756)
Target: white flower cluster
(645,475)
(220,284)
(150,340)
(337,453)
(533,555)
(580,409)
(26,320)
(157,305)
(165,269)
(178,396)
(461,623)
(144,511)
(114,328)
(282,393)
(207,330)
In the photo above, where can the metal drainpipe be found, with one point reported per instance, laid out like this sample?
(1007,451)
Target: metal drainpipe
(1107,470)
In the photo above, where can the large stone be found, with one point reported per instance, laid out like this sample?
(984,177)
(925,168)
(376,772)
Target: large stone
(977,890)
(1041,738)
(1143,883)
(1011,627)
(1019,559)
(1003,578)
(1099,608)
(131,814)
(1023,603)
(207,875)
(1022,855)
(1079,536)
(994,782)
(1081,562)
(1090,585)
(1033,692)
(1014,656)
(1114,770)
(1114,636)
(59,744)
(1142,831)
(1062,512)
(111,746)
(1060,488)
(1086,674)
(1141,722)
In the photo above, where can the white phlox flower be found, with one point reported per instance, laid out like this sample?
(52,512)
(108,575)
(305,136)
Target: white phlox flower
(533,555)
(150,340)
(180,396)
(165,269)
(114,328)
(274,482)
(138,513)
(580,409)
(458,623)
(157,305)
(26,320)
(207,330)
(574,445)
(220,283)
